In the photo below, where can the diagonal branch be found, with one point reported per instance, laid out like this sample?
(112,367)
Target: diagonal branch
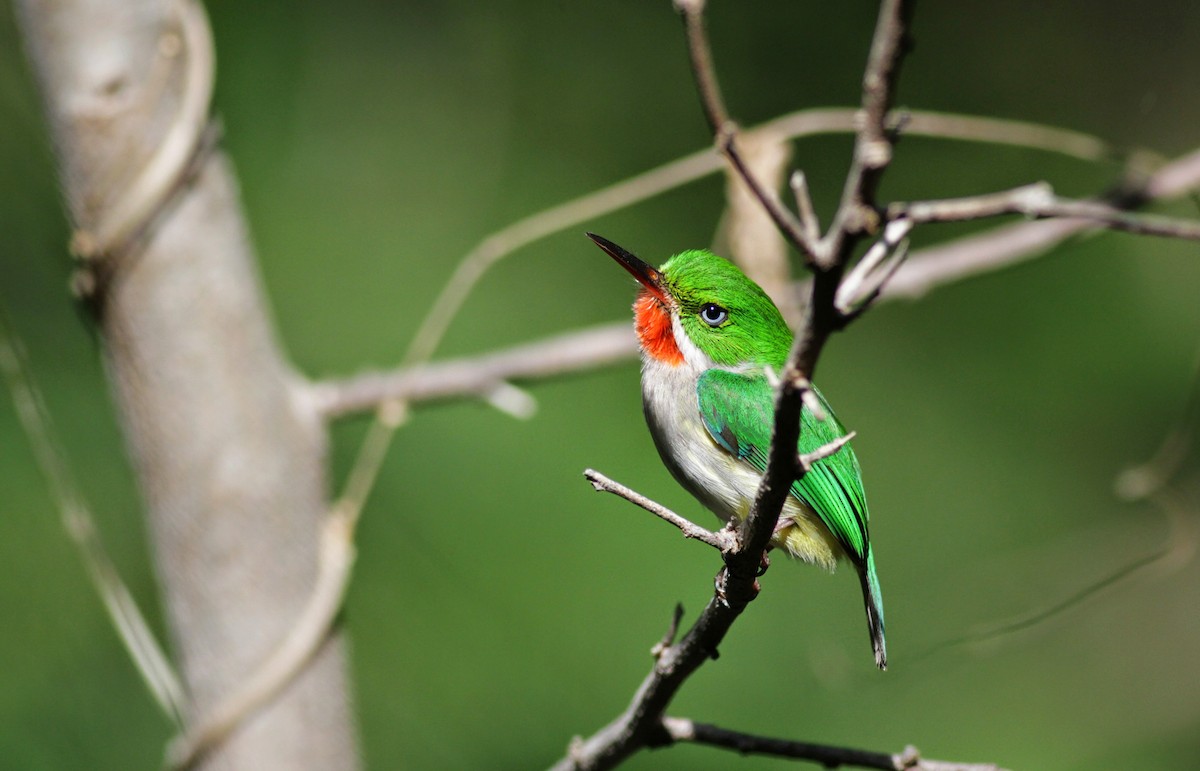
(722,540)
(855,214)
(725,131)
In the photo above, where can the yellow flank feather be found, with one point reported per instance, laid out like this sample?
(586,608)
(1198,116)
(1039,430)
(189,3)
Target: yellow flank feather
(806,537)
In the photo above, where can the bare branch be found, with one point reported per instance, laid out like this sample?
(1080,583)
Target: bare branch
(685,730)
(873,144)
(932,267)
(1039,201)
(361,393)
(722,540)
(478,376)
(572,352)
(737,584)
(725,132)
(747,234)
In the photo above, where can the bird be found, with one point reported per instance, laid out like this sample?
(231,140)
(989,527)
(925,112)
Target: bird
(709,336)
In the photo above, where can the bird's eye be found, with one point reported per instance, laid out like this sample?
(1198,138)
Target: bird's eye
(713,315)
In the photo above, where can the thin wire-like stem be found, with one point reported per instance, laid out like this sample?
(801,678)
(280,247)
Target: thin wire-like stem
(148,656)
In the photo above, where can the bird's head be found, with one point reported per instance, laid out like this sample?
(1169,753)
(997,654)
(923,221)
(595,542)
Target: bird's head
(701,310)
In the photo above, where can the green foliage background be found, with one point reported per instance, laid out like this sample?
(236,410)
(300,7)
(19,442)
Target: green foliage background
(499,607)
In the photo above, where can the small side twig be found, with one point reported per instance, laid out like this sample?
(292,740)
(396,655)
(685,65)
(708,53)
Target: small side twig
(829,756)
(805,461)
(722,540)
(668,638)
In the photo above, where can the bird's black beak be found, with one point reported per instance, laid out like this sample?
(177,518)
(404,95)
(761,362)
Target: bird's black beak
(646,274)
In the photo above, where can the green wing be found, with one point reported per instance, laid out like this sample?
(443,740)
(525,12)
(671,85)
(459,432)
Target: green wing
(739,413)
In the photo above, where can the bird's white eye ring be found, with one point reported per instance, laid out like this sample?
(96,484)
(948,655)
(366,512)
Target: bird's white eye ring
(713,315)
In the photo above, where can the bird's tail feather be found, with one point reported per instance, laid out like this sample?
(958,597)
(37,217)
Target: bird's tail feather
(873,599)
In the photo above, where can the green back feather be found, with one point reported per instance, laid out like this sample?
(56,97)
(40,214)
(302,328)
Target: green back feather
(738,410)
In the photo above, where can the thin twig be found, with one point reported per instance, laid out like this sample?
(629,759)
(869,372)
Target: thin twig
(722,540)
(804,205)
(747,234)
(148,656)
(668,638)
(867,278)
(686,730)
(805,461)
(725,131)
(1039,201)
(1147,478)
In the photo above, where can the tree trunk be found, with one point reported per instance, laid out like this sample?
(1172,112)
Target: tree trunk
(230,457)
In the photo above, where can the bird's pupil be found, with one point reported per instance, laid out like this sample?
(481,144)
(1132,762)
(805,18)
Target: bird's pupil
(713,314)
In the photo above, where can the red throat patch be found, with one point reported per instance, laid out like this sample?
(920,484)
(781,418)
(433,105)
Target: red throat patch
(653,324)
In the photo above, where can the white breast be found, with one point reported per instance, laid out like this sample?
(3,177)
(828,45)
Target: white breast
(707,471)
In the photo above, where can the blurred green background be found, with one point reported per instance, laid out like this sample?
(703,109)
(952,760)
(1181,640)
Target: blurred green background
(500,607)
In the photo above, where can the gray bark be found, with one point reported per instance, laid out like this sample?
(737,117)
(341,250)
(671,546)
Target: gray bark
(229,456)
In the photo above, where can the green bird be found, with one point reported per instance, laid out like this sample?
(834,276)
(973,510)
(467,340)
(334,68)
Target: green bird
(707,335)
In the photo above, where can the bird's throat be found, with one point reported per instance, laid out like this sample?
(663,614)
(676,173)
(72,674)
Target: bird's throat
(653,323)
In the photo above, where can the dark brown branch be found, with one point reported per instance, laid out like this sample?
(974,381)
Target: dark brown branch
(725,131)
(855,215)
(685,730)
(641,724)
